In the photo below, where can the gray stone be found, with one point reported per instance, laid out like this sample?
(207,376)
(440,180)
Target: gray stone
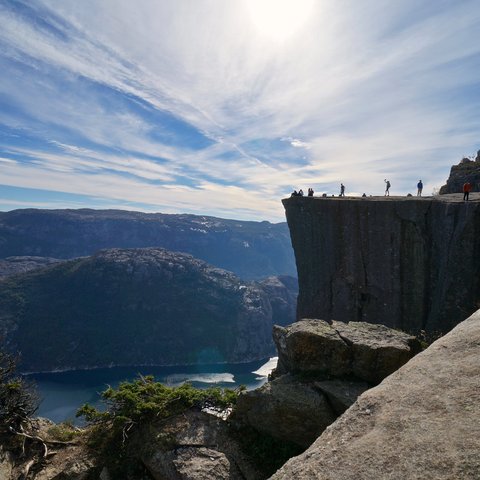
(368,352)
(341,394)
(286,409)
(377,351)
(422,422)
(194,445)
(311,346)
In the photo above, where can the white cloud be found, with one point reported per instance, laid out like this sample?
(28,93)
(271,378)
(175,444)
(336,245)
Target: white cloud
(362,90)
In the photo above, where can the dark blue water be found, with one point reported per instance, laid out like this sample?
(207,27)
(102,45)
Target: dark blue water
(63,393)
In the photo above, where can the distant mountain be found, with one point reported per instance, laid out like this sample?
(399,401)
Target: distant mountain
(252,250)
(139,307)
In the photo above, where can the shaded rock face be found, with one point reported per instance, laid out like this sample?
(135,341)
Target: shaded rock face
(282,292)
(134,307)
(406,263)
(286,408)
(423,421)
(252,250)
(322,369)
(466,171)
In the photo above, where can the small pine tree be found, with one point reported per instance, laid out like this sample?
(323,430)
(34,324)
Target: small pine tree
(18,397)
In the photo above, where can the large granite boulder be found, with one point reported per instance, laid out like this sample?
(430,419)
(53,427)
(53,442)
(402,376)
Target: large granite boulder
(311,346)
(286,408)
(365,351)
(422,422)
(321,371)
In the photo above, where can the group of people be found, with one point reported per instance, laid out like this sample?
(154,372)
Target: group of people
(300,193)
(467,188)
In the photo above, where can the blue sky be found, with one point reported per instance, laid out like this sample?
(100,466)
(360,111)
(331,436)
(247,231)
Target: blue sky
(222,107)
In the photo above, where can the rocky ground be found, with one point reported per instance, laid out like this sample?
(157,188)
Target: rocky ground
(307,394)
(322,369)
(421,422)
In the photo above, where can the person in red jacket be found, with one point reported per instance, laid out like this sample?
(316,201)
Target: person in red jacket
(467,188)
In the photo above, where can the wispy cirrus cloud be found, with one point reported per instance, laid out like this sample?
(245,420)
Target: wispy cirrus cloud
(190,106)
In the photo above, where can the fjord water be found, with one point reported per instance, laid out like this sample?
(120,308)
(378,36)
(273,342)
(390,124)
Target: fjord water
(62,393)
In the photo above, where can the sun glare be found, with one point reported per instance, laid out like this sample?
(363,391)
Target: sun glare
(279,19)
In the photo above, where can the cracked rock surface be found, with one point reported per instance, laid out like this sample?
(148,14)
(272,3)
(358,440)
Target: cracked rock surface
(322,369)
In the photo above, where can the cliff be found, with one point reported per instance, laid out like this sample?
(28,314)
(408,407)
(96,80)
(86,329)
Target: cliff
(252,250)
(420,422)
(138,307)
(409,263)
(466,171)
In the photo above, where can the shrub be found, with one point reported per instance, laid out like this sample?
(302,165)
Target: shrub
(18,397)
(138,404)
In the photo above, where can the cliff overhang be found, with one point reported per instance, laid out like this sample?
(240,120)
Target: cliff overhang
(405,262)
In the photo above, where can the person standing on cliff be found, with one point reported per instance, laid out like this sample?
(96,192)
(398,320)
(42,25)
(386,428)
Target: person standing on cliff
(342,190)
(387,188)
(467,188)
(419,188)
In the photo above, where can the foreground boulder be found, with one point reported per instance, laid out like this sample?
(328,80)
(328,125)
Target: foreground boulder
(363,350)
(286,408)
(421,422)
(322,369)
(194,446)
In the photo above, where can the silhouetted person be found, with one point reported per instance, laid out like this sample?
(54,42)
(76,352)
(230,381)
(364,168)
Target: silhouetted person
(419,188)
(310,192)
(387,188)
(300,192)
(342,190)
(364,195)
(467,188)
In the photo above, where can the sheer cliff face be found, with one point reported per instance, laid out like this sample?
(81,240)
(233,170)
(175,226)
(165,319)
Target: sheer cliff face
(403,262)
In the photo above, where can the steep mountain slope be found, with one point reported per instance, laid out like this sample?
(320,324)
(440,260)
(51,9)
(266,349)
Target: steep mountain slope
(252,250)
(133,307)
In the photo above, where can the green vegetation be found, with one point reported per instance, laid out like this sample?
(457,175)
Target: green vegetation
(137,405)
(18,397)
(64,432)
(427,338)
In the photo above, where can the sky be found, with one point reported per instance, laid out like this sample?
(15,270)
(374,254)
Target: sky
(223,107)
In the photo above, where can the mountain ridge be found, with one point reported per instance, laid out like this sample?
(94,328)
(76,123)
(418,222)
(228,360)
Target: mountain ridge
(252,250)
